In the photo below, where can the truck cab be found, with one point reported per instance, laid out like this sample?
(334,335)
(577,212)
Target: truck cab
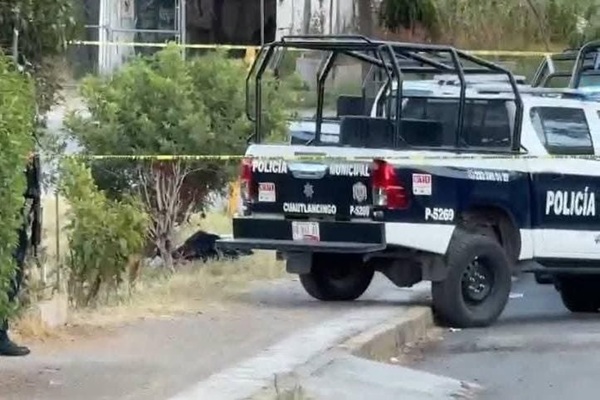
(461,184)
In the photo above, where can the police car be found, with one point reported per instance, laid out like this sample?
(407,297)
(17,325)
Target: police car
(460,187)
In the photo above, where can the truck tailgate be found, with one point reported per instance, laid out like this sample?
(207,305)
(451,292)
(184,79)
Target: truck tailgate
(303,189)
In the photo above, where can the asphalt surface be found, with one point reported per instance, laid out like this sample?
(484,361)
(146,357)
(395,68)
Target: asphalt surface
(537,350)
(274,325)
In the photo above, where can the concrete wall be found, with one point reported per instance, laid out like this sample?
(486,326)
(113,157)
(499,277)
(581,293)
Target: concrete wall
(115,14)
(326,16)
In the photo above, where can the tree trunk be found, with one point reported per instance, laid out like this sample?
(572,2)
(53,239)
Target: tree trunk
(306,17)
(540,23)
(365,17)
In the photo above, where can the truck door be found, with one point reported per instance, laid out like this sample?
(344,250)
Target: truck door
(565,212)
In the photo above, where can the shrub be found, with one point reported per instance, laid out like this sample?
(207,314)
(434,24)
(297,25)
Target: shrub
(104,235)
(17,116)
(166,105)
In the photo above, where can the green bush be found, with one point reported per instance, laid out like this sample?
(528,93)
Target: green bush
(45,28)
(17,116)
(103,235)
(164,104)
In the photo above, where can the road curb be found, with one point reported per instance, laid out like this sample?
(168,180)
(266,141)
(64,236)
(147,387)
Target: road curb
(374,344)
(355,341)
(384,339)
(361,363)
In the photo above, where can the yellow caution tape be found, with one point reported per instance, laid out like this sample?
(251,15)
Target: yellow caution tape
(165,44)
(507,53)
(96,157)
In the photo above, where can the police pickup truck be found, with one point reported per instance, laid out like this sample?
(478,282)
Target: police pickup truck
(458,187)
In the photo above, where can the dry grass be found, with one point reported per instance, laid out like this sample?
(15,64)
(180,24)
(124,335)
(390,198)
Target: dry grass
(29,326)
(215,222)
(290,391)
(297,393)
(195,286)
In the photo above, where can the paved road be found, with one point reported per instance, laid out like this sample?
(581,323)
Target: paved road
(538,350)
(156,359)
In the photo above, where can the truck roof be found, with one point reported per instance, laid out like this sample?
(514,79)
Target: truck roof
(501,90)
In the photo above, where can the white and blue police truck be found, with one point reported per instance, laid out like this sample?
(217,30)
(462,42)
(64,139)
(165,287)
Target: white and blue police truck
(461,184)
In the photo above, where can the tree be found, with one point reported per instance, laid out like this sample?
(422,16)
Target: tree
(166,105)
(17,111)
(105,236)
(407,14)
(45,29)
(306,17)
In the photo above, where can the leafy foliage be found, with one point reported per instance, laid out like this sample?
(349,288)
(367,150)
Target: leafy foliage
(45,27)
(406,13)
(17,110)
(495,24)
(586,28)
(104,235)
(166,105)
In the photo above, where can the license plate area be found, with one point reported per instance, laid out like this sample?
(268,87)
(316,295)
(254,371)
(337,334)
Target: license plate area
(305,230)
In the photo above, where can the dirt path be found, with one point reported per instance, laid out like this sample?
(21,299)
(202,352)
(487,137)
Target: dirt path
(155,359)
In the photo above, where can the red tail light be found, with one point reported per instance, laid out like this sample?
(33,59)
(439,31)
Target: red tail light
(388,190)
(247,187)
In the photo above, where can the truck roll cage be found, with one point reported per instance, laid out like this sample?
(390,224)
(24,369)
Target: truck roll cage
(586,62)
(395,59)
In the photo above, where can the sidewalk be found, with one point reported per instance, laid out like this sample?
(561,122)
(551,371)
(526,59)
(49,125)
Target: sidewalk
(157,359)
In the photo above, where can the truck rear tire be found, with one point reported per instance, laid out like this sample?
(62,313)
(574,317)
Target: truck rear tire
(478,283)
(340,278)
(580,294)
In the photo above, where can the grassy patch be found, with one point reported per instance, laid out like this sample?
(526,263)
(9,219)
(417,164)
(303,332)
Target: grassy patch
(288,392)
(296,393)
(157,292)
(189,290)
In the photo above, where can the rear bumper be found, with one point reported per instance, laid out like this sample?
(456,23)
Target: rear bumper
(276,234)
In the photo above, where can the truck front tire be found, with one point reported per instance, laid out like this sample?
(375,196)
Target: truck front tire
(478,283)
(339,278)
(580,294)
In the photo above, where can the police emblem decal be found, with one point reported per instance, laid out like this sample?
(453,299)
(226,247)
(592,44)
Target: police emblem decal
(308,190)
(359,192)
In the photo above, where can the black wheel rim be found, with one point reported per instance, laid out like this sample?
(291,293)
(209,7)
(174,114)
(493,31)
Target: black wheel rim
(477,281)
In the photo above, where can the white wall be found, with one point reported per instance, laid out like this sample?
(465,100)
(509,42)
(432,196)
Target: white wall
(115,14)
(328,16)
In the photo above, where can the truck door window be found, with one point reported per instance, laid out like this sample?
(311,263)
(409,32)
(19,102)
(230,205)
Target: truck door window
(562,130)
